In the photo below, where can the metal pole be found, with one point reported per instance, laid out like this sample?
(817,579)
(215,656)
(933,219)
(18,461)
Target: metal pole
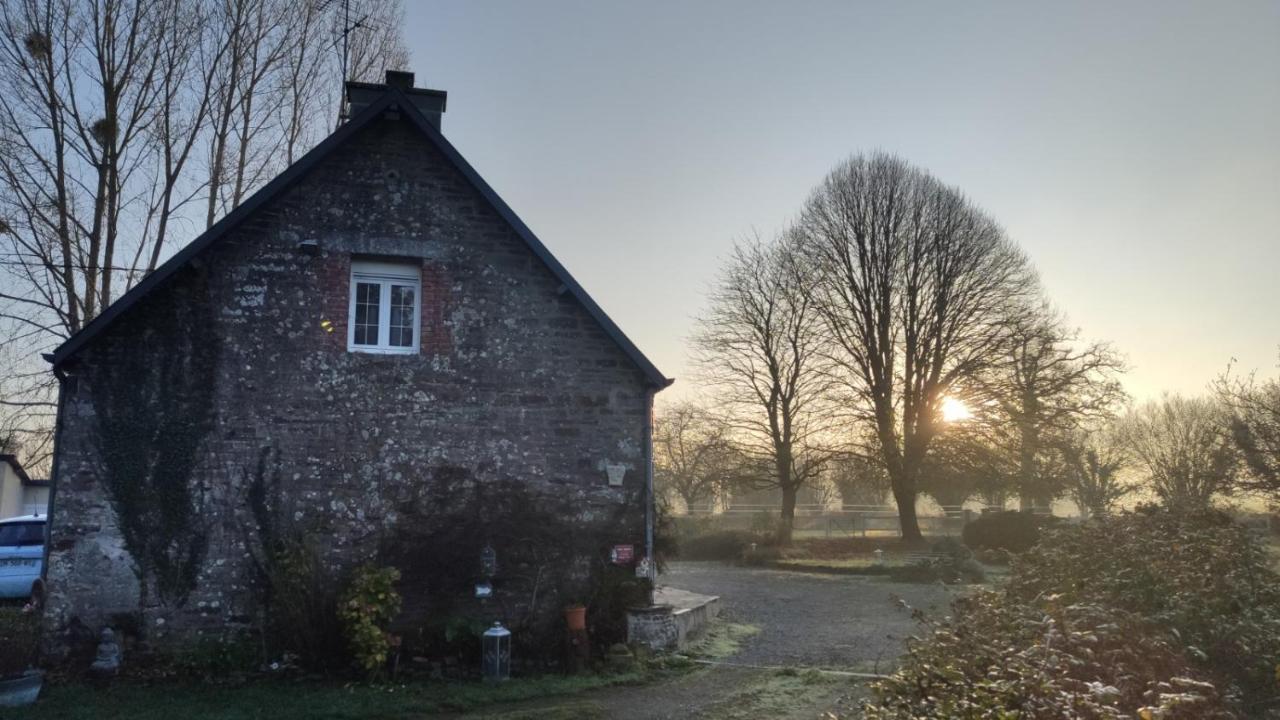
(650,502)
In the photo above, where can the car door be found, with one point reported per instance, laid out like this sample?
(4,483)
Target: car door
(21,555)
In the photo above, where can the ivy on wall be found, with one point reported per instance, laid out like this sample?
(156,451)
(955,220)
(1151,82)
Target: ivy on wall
(153,401)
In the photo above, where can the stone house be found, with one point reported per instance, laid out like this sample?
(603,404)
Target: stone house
(373,358)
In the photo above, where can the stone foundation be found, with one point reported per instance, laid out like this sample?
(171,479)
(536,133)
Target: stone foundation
(678,618)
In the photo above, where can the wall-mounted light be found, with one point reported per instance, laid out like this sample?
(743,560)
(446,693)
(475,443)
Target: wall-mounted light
(310,246)
(616,473)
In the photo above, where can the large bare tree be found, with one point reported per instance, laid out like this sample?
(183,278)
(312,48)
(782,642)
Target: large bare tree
(1044,385)
(1184,448)
(760,349)
(915,285)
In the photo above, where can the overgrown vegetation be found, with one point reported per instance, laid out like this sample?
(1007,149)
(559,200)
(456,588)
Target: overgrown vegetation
(1010,531)
(550,550)
(153,411)
(1153,615)
(298,590)
(19,639)
(704,538)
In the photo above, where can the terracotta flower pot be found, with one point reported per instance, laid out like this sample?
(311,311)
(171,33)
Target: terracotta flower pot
(575,617)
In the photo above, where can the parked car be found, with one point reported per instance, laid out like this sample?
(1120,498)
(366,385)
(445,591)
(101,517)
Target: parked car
(21,556)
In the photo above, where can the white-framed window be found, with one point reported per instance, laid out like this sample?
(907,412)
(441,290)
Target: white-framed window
(386,307)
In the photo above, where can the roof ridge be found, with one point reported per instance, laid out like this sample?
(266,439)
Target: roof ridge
(392,97)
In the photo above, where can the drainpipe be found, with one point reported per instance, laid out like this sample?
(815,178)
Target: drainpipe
(650,502)
(58,424)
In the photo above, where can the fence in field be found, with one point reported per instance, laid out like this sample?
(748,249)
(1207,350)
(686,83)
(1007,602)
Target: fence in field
(847,521)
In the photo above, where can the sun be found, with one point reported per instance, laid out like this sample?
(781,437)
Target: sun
(954,410)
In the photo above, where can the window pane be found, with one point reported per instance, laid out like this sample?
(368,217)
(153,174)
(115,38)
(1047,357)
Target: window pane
(368,298)
(22,534)
(402,302)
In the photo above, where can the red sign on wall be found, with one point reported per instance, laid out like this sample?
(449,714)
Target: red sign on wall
(623,554)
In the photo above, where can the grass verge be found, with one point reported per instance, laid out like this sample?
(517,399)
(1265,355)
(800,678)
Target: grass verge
(281,700)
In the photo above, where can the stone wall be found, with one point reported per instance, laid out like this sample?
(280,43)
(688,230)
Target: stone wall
(514,382)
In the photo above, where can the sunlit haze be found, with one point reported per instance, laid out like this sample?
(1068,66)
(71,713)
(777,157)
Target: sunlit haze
(954,410)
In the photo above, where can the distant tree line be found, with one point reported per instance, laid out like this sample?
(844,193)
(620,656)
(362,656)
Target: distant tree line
(833,349)
(128,126)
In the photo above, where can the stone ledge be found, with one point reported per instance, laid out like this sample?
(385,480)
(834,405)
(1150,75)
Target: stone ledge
(676,617)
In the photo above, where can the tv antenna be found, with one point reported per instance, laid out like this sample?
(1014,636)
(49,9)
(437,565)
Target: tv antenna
(347,27)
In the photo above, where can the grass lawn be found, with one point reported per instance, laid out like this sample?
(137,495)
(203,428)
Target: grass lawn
(286,700)
(282,700)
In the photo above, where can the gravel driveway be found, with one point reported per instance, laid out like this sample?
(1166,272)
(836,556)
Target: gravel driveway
(805,620)
(812,620)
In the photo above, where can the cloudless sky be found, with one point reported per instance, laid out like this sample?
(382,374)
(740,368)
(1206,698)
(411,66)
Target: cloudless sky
(1131,148)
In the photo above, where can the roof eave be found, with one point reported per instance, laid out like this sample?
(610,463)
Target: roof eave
(394,97)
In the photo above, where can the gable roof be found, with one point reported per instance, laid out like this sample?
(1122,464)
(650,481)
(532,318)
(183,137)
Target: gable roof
(392,99)
(18,470)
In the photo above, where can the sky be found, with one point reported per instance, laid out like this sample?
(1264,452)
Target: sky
(1132,149)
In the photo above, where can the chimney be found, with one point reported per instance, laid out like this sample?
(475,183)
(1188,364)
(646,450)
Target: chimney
(428,102)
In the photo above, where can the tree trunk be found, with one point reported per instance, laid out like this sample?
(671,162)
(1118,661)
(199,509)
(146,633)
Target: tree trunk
(1028,480)
(787,520)
(906,500)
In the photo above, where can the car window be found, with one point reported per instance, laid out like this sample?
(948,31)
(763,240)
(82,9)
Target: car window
(31,533)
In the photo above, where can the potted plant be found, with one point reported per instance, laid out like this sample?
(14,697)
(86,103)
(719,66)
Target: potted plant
(20,680)
(575,616)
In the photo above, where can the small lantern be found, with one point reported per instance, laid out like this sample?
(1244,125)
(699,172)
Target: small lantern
(496,663)
(488,562)
(879,556)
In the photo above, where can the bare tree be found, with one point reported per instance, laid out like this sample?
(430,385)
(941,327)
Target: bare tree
(1045,384)
(759,347)
(692,455)
(915,285)
(118,117)
(860,480)
(1254,407)
(1090,463)
(1183,446)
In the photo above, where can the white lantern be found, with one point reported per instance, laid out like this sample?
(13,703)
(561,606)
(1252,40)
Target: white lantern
(496,660)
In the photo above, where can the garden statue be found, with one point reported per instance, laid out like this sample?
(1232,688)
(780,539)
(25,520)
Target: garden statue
(107,662)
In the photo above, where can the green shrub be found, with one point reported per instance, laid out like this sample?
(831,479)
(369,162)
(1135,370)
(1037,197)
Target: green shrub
(999,658)
(1155,615)
(716,545)
(368,606)
(302,606)
(951,563)
(617,590)
(1011,531)
(217,657)
(19,639)
(1199,575)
